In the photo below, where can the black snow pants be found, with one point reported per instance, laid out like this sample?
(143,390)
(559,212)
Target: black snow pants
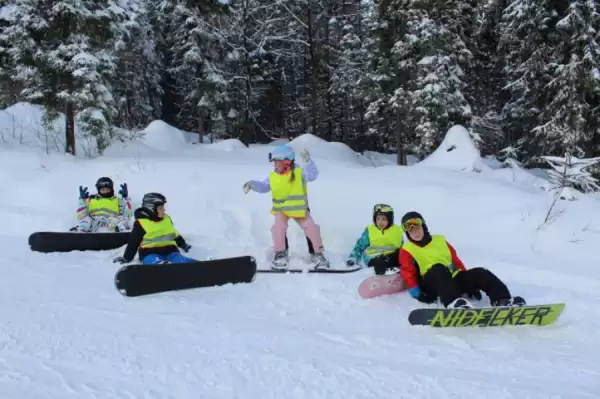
(383,263)
(438,282)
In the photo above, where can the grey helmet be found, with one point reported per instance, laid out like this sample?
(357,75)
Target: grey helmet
(151,201)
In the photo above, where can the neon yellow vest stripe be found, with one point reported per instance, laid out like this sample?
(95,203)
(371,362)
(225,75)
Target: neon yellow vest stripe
(158,234)
(435,252)
(289,198)
(384,242)
(107,207)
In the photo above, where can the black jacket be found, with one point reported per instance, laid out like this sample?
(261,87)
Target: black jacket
(137,235)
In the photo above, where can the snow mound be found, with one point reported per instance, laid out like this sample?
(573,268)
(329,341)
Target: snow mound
(227,145)
(278,142)
(457,152)
(331,151)
(164,137)
(21,124)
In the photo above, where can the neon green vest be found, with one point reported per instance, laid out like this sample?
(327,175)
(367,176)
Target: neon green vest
(435,252)
(289,198)
(106,207)
(383,242)
(158,234)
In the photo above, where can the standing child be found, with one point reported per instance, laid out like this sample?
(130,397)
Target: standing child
(287,184)
(380,243)
(154,234)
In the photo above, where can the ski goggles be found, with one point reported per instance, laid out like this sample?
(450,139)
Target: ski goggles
(412,223)
(104,184)
(382,208)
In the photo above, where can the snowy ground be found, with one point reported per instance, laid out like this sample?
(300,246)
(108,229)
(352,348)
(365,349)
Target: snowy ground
(67,333)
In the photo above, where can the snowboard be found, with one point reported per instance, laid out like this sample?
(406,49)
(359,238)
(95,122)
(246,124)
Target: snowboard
(537,315)
(56,241)
(139,279)
(375,286)
(311,269)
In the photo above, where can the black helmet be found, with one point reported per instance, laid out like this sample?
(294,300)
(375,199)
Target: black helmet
(151,201)
(105,182)
(386,210)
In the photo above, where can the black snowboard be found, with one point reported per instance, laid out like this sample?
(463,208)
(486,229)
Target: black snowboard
(56,241)
(137,280)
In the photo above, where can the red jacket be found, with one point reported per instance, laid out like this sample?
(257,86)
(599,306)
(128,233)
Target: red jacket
(410,272)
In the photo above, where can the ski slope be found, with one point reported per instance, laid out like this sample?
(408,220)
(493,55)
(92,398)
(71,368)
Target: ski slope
(67,333)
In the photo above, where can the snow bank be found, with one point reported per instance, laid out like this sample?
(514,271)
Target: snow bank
(22,124)
(227,145)
(331,151)
(162,136)
(457,152)
(278,142)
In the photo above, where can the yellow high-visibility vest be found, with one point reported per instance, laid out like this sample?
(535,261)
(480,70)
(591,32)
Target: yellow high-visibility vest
(289,197)
(158,234)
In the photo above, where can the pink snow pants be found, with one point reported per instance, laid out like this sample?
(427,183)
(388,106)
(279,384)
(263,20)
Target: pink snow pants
(311,230)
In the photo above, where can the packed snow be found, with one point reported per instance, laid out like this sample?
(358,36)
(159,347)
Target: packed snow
(67,332)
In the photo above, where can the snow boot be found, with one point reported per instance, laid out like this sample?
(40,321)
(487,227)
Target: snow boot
(515,301)
(280,260)
(319,261)
(459,303)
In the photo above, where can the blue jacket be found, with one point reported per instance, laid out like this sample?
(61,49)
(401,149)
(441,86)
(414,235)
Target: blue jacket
(358,252)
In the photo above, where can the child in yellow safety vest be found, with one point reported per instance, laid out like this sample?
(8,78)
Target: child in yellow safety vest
(103,211)
(380,243)
(287,184)
(155,235)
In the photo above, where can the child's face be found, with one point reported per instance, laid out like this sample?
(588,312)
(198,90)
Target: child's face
(381,221)
(416,233)
(160,211)
(104,190)
(281,165)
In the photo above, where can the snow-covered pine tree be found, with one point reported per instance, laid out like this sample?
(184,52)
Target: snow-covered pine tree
(485,78)
(528,42)
(136,84)
(386,128)
(349,53)
(197,62)
(570,121)
(66,51)
(430,55)
(570,173)
(6,64)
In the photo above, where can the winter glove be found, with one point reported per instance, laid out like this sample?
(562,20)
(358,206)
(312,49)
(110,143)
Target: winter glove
(83,192)
(350,263)
(420,295)
(186,248)
(380,264)
(305,156)
(247,187)
(123,191)
(120,259)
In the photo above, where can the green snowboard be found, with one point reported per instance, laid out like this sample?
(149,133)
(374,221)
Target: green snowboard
(537,315)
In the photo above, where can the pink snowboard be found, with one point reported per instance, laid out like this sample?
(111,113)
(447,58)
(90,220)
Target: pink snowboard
(381,285)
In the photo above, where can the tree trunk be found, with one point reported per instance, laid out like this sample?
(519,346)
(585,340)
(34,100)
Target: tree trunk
(70,128)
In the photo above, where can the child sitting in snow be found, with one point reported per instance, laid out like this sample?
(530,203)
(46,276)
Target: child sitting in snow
(380,243)
(155,235)
(287,183)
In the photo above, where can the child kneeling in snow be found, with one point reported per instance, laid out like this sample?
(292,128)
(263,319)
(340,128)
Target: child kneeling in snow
(380,243)
(287,183)
(154,234)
